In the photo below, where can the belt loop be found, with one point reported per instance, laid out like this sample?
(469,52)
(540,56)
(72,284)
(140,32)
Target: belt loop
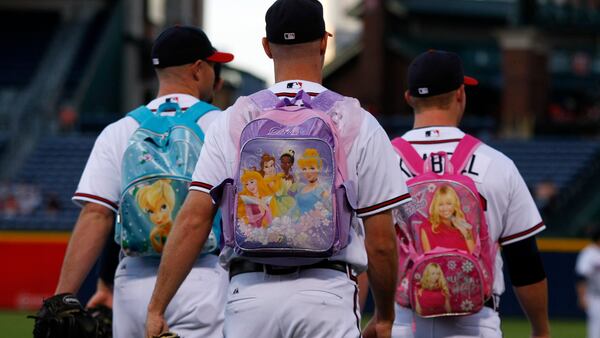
(496,302)
(351,274)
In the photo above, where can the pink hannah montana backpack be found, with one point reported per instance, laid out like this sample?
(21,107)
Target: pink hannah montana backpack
(446,255)
(297,212)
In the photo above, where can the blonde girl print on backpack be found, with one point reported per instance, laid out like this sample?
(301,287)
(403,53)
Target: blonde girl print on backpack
(447,226)
(157,201)
(432,290)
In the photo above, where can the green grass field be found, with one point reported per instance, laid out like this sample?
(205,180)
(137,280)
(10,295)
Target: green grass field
(16,325)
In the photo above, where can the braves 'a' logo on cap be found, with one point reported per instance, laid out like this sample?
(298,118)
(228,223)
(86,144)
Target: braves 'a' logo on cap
(289,36)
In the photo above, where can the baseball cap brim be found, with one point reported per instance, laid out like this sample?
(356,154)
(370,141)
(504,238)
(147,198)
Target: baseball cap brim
(220,57)
(470,81)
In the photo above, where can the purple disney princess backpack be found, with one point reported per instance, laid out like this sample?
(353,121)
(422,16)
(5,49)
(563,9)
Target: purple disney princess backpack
(298,209)
(446,256)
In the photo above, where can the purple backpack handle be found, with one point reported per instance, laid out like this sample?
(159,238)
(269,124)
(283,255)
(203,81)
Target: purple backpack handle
(301,96)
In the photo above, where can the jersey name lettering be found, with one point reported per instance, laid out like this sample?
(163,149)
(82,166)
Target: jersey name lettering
(475,168)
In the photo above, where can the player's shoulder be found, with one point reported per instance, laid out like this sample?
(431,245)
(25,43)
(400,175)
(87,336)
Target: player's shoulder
(501,160)
(356,116)
(357,124)
(586,255)
(219,128)
(124,125)
(590,249)
(208,119)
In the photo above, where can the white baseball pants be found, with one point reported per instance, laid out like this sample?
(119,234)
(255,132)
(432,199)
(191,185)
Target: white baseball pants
(197,310)
(593,316)
(484,324)
(312,303)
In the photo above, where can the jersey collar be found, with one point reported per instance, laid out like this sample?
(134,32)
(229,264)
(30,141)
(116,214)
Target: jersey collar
(184,100)
(434,133)
(292,87)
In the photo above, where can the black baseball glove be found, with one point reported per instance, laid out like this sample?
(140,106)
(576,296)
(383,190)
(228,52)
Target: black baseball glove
(103,315)
(62,316)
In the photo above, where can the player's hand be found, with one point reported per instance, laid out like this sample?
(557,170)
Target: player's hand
(378,329)
(155,325)
(103,296)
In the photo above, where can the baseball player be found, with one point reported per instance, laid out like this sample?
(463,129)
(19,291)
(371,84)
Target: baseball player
(109,260)
(587,269)
(436,92)
(266,299)
(183,58)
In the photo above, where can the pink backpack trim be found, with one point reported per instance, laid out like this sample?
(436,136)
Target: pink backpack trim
(463,152)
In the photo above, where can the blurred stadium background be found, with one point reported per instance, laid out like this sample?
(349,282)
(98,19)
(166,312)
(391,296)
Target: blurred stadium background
(70,67)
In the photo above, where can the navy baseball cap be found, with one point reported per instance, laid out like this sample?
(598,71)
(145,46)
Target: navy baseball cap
(180,45)
(295,21)
(436,72)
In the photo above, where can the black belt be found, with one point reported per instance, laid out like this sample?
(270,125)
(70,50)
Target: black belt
(243,266)
(492,303)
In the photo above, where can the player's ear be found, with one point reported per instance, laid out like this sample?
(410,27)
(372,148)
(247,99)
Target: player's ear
(195,69)
(408,98)
(267,48)
(323,44)
(460,94)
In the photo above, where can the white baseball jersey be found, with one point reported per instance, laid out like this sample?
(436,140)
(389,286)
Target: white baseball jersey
(511,215)
(588,266)
(371,165)
(197,308)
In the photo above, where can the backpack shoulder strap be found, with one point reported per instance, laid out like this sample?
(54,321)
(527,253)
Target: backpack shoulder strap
(141,114)
(265,99)
(197,110)
(194,113)
(465,148)
(410,156)
(325,100)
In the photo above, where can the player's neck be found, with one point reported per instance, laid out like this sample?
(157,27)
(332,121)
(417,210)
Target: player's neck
(169,89)
(436,117)
(307,72)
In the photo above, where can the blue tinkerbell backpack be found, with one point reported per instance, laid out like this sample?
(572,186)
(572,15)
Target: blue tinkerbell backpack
(156,173)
